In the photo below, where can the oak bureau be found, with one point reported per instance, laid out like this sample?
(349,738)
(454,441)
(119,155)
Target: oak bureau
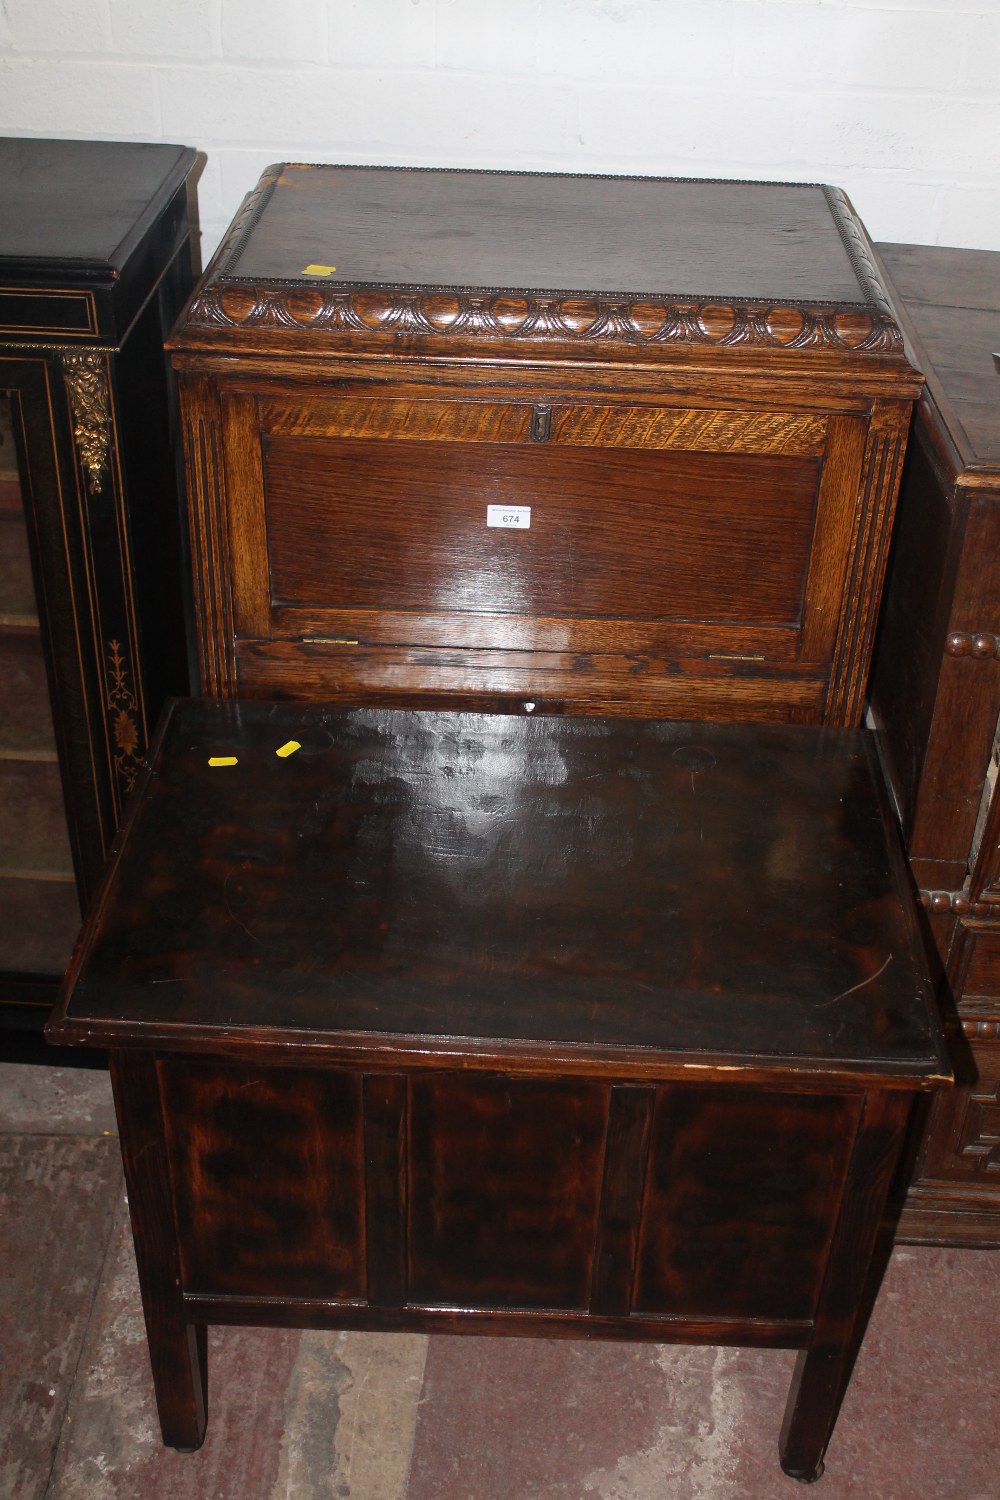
(607,444)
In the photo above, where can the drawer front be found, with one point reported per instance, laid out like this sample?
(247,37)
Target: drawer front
(962,1144)
(694,561)
(977,1138)
(47,314)
(974,965)
(640,530)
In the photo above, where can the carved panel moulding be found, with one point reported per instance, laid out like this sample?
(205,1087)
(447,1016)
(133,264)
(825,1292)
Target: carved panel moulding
(858,250)
(869,548)
(530,316)
(87,391)
(981,1131)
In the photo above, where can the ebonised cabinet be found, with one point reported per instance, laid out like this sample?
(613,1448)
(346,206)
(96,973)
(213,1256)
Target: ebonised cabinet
(95,261)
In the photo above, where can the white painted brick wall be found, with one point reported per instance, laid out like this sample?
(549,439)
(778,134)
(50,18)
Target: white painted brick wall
(897,101)
(157,29)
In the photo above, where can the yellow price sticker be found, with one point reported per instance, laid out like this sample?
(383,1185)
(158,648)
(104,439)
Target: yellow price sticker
(314,270)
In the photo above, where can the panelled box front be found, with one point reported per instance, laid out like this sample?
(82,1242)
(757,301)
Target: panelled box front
(512,1195)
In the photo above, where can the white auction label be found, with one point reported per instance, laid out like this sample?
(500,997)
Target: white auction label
(515,517)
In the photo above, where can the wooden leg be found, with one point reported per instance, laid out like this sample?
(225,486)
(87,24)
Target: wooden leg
(180,1381)
(809,1416)
(177,1348)
(824,1367)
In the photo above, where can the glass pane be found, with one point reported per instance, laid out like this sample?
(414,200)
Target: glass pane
(39,910)
(989,791)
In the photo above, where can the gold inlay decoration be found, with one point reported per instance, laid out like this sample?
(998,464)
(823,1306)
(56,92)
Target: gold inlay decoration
(123,717)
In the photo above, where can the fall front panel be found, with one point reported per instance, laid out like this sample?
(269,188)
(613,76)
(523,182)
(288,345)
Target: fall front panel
(579,534)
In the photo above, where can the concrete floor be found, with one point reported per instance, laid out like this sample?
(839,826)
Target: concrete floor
(308,1416)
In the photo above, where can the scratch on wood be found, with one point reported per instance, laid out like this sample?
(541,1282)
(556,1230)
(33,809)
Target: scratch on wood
(859,986)
(229,907)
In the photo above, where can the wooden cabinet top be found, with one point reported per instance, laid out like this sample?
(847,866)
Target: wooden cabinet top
(949,302)
(442,261)
(619,894)
(86,229)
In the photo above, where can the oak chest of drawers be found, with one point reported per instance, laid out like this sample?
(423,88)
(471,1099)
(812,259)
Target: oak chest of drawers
(936,702)
(597,444)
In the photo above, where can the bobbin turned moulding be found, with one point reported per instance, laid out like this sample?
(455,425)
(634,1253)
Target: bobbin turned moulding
(607,444)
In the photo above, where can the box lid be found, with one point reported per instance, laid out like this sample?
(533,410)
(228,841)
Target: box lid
(614,893)
(444,261)
(86,228)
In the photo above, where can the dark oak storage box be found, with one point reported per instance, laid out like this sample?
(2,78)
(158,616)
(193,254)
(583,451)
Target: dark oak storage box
(484,1023)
